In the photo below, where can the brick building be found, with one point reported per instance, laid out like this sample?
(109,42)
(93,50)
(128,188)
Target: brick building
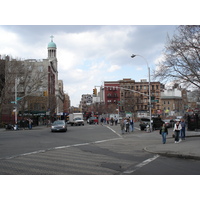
(132,97)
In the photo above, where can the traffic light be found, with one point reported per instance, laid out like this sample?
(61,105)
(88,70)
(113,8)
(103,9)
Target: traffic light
(45,93)
(95,92)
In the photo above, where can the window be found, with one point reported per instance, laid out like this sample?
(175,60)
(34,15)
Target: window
(40,68)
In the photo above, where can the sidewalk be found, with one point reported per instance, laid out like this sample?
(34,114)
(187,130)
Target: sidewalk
(33,128)
(188,148)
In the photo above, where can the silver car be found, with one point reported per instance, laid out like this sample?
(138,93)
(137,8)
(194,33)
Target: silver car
(59,125)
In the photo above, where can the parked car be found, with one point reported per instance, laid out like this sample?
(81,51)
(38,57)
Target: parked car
(92,120)
(156,123)
(59,125)
(169,123)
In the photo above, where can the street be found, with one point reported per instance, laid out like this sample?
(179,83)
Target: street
(86,150)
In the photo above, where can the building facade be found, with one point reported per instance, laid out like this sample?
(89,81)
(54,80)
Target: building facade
(33,87)
(112,96)
(174,101)
(85,103)
(130,96)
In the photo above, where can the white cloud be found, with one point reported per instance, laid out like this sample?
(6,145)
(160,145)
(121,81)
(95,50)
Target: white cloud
(113,68)
(88,55)
(139,68)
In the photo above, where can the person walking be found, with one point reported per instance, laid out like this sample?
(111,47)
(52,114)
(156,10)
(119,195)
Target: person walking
(122,125)
(177,128)
(30,123)
(127,125)
(183,129)
(132,124)
(111,121)
(102,120)
(164,133)
(116,121)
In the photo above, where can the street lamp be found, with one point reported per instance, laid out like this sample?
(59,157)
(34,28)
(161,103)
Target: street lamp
(133,56)
(16,109)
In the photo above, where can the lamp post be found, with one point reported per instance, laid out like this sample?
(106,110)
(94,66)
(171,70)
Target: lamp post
(133,56)
(16,109)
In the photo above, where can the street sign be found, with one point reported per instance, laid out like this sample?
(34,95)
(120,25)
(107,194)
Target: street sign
(154,101)
(19,98)
(150,106)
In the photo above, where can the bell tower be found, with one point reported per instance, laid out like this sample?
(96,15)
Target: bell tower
(51,48)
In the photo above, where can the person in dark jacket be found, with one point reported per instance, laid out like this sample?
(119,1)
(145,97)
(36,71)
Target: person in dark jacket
(164,133)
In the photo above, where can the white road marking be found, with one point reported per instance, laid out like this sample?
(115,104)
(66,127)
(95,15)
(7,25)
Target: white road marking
(61,147)
(114,131)
(141,165)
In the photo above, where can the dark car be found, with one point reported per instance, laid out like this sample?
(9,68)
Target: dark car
(156,123)
(92,120)
(59,125)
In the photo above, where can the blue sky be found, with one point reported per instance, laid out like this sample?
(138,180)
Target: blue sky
(89,55)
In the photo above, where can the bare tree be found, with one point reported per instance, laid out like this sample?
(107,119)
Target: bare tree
(181,58)
(31,82)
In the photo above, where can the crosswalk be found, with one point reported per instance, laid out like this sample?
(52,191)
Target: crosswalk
(76,160)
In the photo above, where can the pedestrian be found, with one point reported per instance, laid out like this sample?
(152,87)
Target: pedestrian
(183,129)
(116,121)
(132,124)
(125,120)
(164,133)
(111,121)
(107,120)
(30,123)
(102,119)
(177,128)
(48,123)
(122,125)
(127,125)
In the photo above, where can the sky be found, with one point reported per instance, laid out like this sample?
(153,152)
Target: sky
(95,39)
(88,55)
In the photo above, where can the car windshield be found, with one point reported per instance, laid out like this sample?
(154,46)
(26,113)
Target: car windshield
(78,118)
(58,122)
(166,120)
(145,119)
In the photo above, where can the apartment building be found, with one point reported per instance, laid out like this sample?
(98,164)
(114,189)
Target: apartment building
(132,96)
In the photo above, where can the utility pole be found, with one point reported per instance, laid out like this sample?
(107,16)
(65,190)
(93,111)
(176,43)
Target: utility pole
(16,110)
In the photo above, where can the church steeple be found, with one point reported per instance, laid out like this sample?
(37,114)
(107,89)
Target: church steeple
(51,48)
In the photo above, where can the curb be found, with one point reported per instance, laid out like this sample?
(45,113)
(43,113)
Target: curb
(166,154)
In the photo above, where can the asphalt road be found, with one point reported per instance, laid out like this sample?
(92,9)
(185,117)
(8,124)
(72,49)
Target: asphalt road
(24,141)
(86,150)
